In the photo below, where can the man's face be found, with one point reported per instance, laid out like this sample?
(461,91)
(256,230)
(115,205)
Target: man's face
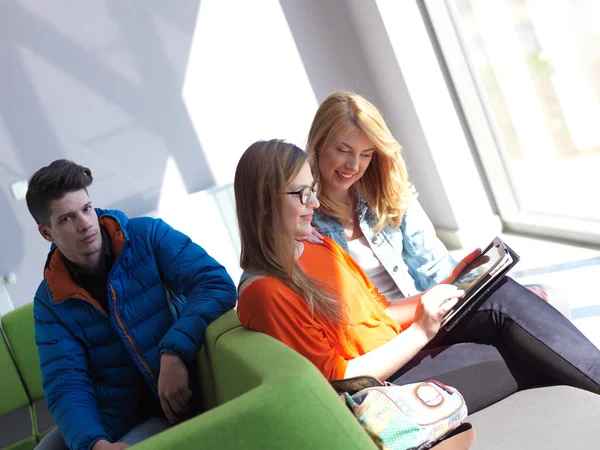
(74,227)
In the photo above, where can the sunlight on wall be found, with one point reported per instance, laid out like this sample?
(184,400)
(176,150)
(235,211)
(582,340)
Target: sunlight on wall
(6,304)
(245,82)
(207,217)
(173,189)
(440,124)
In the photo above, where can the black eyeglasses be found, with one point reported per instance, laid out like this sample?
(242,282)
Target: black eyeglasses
(305,193)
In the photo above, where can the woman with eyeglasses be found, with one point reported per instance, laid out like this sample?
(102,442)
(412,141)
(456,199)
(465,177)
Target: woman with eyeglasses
(316,299)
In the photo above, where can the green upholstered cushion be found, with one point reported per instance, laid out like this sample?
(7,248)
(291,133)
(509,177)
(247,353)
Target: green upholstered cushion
(18,326)
(270,417)
(268,396)
(298,396)
(16,425)
(223,324)
(12,392)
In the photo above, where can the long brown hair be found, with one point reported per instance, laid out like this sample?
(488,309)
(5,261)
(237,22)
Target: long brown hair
(385,185)
(267,244)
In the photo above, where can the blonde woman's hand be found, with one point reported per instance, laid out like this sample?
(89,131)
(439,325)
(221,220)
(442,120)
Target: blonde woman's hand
(434,303)
(463,263)
(314,237)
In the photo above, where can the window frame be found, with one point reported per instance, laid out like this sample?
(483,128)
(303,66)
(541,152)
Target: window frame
(478,120)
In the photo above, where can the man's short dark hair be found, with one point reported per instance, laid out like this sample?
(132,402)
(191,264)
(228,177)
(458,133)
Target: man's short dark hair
(53,182)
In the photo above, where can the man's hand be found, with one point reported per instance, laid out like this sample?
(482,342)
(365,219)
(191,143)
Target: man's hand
(105,445)
(173,386)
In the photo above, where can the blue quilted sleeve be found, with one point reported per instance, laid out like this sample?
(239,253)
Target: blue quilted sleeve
(191,272)
(67,381)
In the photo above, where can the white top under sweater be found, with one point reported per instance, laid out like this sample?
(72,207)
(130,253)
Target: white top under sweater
(360,250)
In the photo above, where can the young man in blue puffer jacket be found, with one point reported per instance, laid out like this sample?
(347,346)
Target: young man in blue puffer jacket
(119,317)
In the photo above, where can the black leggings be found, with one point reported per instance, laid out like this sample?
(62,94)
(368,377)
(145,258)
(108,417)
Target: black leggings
(513,340)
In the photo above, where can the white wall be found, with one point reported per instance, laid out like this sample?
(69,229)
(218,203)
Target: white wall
(161,98)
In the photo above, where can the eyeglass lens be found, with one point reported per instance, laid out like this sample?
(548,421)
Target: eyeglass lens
(308,191)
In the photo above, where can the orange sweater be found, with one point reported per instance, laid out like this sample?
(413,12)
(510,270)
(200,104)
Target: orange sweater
(269,306)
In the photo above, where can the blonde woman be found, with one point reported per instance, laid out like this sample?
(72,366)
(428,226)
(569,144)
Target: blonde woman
(368,205)
(316,299)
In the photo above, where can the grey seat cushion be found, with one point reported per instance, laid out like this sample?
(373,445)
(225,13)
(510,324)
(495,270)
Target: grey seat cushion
(553,417)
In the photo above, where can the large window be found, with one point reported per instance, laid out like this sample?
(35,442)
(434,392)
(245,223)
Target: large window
(536,65)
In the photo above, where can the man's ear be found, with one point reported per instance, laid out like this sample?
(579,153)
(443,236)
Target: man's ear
(45,232)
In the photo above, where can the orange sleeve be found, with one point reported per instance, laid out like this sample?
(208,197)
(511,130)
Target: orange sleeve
(377,296)
(268,306)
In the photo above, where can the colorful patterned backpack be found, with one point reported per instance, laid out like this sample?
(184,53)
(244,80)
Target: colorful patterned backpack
(413,416)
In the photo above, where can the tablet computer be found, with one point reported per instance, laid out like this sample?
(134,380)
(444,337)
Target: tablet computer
(479,277)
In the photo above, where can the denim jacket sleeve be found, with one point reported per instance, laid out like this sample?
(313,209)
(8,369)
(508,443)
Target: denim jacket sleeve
(426,257)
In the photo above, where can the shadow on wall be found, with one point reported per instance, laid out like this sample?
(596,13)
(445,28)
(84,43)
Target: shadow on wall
(98,82)
(163,83)
(105,92)
(329,47)
(345,45)
(11,239)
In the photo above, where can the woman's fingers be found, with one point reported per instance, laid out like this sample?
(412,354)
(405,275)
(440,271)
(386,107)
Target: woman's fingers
(438,301)
(440,293)
(472,256)
(435,303)
(466,261)
(314,237)
(448,304)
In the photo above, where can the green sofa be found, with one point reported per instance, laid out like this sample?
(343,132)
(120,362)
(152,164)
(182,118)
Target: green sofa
(24,417)
(249,402)
(259,394)
(262,395)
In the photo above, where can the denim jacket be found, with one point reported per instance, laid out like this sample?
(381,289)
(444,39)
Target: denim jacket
(412,254)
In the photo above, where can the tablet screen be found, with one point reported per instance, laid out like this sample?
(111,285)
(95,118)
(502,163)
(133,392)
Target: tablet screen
(481,274)
(478,268)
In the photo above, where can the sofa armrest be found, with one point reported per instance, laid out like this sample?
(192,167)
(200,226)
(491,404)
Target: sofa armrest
(245,361)
(264,396)
(286,415)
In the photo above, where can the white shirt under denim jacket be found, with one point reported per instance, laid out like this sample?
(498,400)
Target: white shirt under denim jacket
(412,254)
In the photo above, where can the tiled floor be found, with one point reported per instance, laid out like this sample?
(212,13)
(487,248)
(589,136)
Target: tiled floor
(574,271)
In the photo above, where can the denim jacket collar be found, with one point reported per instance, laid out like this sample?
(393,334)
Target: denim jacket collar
(412,254)
(362,210)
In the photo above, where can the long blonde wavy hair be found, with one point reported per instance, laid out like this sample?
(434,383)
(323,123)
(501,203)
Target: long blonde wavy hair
(384,185)
(267,243)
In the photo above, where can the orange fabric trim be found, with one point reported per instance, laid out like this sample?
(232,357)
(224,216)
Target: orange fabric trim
(116,234)
(61,284)
(129,338)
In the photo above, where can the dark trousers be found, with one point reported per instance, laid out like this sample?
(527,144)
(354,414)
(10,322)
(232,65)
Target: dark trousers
(511,341)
